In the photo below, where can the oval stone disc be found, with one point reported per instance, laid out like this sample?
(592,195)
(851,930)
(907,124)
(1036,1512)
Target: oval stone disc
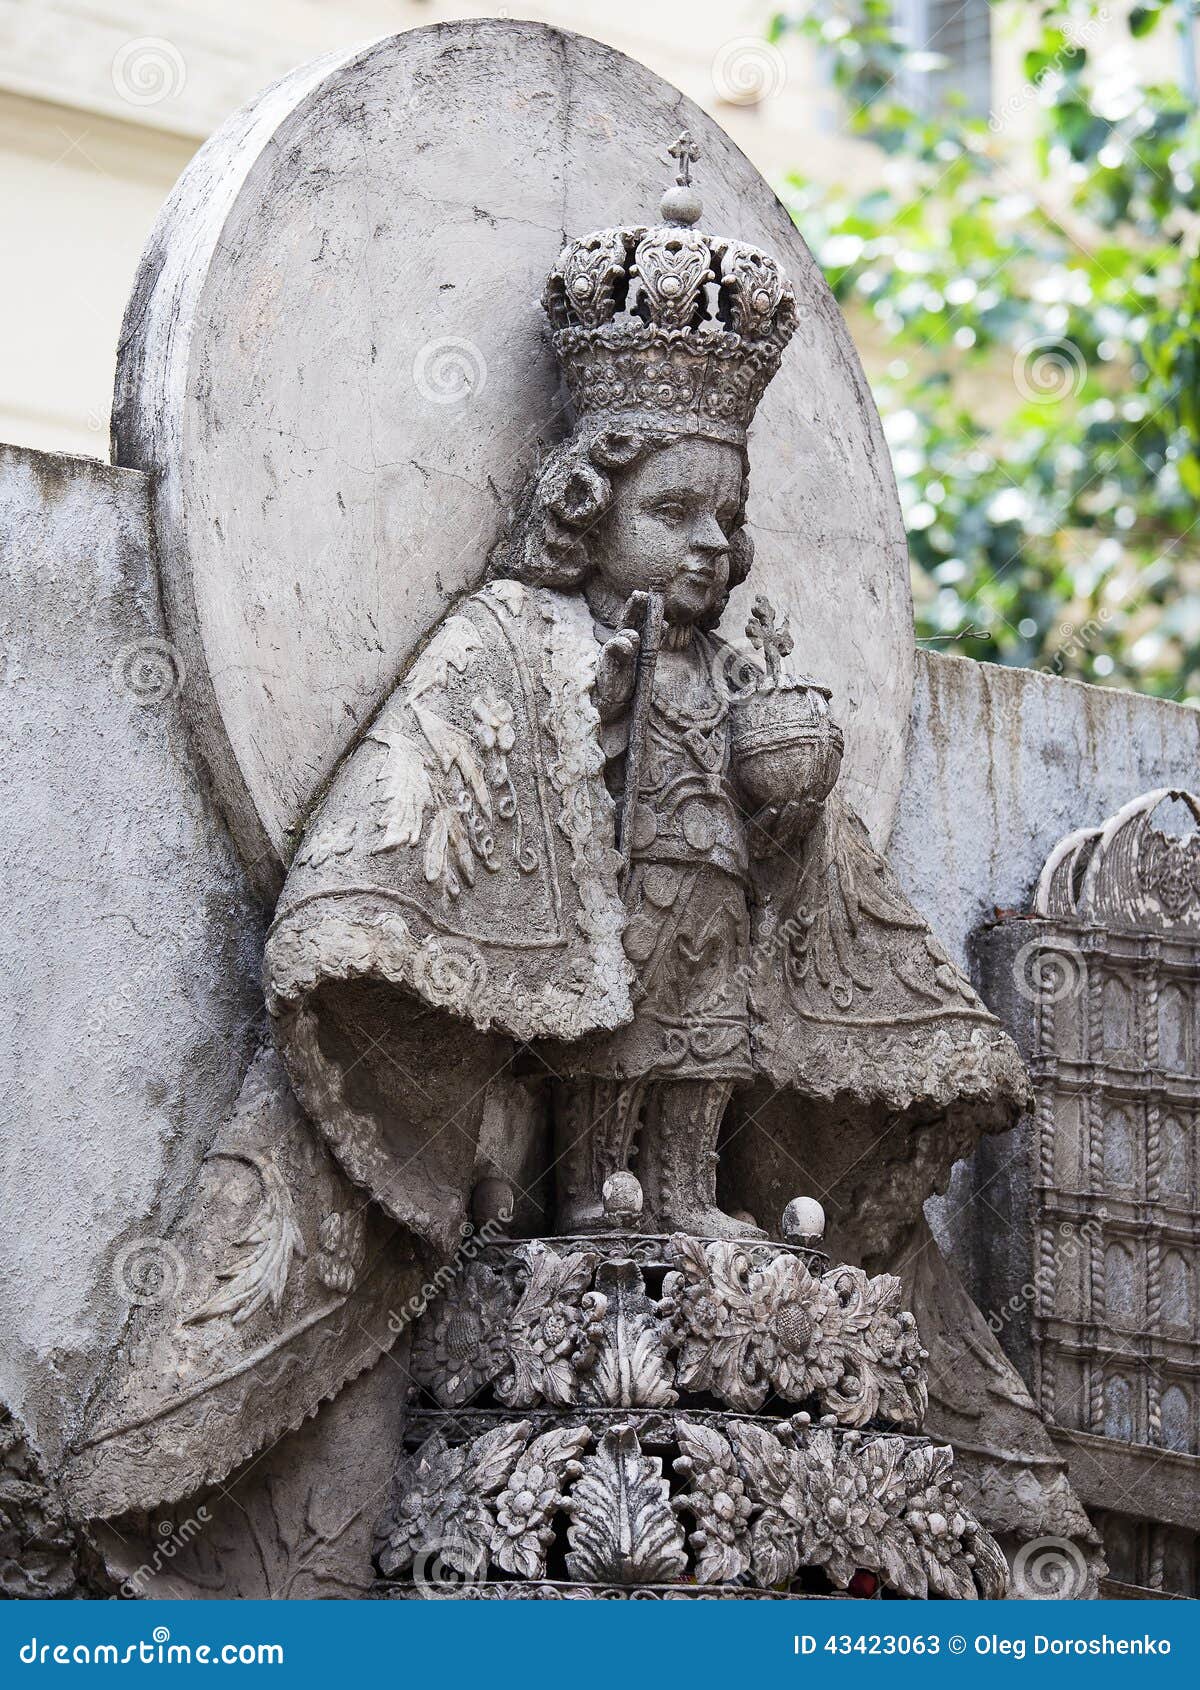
(336,368)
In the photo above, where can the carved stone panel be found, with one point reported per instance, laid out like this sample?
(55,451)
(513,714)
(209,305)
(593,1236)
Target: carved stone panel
(1094,1292)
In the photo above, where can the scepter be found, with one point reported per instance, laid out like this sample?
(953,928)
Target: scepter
(644,612)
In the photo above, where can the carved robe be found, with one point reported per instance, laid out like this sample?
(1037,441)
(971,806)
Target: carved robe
(463,861)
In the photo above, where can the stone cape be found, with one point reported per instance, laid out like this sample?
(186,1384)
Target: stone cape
(462,861)
(278,1282)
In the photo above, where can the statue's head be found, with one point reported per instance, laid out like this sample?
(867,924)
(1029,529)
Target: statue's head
(618,510)
(667,339)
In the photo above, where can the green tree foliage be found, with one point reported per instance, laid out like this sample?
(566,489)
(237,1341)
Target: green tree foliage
(1031,314)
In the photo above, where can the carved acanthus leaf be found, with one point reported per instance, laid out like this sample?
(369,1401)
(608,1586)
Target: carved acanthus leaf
(271,1239)
(454,750)
(451,648)
(442,1501)
(773,1476)
(623,1528)
(630,1369)
(407,793)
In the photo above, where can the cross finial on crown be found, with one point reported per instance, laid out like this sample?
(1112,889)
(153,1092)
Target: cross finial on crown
(685,152)
(681,203)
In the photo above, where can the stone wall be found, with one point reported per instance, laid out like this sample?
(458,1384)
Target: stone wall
(1001,764)
(130,993)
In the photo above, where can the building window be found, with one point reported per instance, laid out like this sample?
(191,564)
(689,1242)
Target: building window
(952,44)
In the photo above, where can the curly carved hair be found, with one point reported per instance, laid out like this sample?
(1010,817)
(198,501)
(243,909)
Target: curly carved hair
(547,542)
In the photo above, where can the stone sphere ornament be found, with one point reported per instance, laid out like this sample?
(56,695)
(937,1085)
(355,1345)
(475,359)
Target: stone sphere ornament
(803,1221)
(786,740)
(622,1194)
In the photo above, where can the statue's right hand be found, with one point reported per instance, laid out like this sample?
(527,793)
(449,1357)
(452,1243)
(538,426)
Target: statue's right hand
(616,672)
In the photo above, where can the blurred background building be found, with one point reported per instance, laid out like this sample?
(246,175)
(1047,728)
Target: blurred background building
(103,104)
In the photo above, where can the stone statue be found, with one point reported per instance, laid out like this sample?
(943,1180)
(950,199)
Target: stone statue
(587,824)
(582,948)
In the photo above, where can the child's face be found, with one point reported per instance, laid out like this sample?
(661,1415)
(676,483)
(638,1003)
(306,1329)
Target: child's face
(669,526)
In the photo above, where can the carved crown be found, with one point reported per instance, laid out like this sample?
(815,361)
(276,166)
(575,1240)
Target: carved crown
(668,326)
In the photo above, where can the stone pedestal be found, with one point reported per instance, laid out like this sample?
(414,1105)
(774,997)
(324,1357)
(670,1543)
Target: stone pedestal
(663,1417)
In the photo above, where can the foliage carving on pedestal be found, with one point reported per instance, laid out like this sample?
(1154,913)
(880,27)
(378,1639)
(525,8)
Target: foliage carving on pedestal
(623,1529)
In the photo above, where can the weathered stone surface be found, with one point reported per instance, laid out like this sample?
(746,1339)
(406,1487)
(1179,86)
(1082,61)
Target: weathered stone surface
(334,364)
(295,1524)
(129,997)
(1002,763)
(282,1287)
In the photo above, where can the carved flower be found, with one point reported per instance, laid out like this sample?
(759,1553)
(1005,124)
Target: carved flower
(515,1509)
(743,1332)
(461,1339)
(551,1333)
(937,1534)
(441,1500)
(842,1527)
(797,1322)
(716,1498)
(522,1533)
